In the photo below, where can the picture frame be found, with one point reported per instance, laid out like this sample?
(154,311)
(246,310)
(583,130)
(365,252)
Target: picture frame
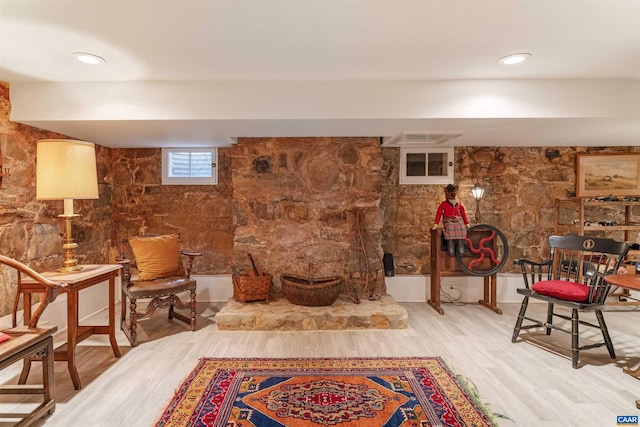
(612,174)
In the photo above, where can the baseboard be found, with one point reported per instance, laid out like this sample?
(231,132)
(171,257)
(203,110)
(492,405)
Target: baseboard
(403,288)
(218,288)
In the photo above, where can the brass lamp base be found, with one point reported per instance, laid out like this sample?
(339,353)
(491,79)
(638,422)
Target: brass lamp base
(70,262)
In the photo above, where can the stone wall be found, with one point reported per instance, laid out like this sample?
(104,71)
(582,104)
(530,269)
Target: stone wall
(201,214)
(295,201)
(30,229)
(521,184)
(288,201)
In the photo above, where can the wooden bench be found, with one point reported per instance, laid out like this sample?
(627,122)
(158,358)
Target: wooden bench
(573,277)
(27,343)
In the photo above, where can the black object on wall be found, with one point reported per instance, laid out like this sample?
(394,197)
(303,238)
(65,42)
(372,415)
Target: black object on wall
(387,260)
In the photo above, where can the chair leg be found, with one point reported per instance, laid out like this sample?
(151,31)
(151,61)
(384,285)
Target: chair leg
(123,310)
(26,368)
(133,322)
(574,338)
(549,317)
(523,309)
(193,306)
(605,334)
(170,313)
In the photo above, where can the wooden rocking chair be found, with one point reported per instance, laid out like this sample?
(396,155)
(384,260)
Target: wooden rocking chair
(161,276)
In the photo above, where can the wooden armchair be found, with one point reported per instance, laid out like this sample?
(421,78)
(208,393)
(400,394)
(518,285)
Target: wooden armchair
(52,290)
(30,342)
(573,277)
(161,276)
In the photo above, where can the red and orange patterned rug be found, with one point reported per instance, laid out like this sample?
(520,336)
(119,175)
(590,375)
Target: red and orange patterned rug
(373,392)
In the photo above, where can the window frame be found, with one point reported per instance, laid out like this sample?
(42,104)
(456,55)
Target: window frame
(173,180)
(426,179)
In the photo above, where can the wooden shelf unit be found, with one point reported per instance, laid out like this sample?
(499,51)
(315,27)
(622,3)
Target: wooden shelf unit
(629,228)
(581,203)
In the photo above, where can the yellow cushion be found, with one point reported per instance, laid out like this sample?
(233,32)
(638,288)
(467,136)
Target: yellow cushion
(157,256)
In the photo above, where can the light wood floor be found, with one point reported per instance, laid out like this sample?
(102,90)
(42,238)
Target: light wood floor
(526,384)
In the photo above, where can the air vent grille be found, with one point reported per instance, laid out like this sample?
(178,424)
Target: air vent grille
(420,138)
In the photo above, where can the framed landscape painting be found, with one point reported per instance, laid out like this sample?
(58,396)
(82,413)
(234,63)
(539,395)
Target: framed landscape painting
(600,175)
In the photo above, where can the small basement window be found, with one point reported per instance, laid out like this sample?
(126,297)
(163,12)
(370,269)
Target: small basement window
(426,165)
(189,166)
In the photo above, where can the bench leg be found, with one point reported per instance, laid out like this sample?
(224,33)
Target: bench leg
(523,310)
(605,334)
(48,380)
(574,338)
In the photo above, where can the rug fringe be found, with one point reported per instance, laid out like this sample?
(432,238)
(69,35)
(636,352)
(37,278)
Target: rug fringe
(472,390)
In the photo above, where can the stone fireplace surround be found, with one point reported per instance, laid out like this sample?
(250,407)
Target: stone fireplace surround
(295,202)
(280,315)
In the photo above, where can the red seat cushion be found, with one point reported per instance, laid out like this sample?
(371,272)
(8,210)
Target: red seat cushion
(562,289)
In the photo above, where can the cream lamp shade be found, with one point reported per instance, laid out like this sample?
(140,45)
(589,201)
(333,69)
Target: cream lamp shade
(66,170)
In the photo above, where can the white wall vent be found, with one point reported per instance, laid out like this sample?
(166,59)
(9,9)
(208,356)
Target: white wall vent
(413,139)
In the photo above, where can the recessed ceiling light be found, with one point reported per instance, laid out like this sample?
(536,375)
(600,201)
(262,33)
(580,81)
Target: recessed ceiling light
(88,58)
(516,58)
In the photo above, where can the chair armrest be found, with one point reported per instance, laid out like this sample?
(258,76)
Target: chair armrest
(532,263)
(125,271)
(191,256)
(52,289)
(23,268)
(191,253)
(599,286)
(123,261)
(533,271)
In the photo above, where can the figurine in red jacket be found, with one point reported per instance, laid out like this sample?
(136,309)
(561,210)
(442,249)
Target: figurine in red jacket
(455,221)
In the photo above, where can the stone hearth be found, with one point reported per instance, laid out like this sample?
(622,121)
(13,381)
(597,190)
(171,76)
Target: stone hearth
(280,315)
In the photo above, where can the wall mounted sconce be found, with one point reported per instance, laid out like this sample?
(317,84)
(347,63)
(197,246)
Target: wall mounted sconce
(66,169)
(477,191)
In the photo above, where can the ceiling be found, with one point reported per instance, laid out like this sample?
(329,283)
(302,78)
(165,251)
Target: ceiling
(188,72)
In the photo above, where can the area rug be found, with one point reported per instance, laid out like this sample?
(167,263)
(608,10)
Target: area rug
(373,392)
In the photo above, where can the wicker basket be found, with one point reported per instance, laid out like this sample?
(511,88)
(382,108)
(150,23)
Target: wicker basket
(317,292)
(251,287)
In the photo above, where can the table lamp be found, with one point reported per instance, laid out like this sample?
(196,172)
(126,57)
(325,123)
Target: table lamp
(66,169)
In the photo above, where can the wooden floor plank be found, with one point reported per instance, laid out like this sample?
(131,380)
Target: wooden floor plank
(527,383)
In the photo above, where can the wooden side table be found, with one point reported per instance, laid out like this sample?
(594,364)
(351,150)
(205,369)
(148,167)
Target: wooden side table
(24,344)
(89,275)
(630,282)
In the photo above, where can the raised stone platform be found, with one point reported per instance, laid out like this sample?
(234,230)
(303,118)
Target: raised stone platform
(280,315)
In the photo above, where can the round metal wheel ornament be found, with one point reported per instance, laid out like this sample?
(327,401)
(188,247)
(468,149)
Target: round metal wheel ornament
(487,255)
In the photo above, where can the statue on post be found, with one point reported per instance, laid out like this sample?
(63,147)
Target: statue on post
(454,217)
